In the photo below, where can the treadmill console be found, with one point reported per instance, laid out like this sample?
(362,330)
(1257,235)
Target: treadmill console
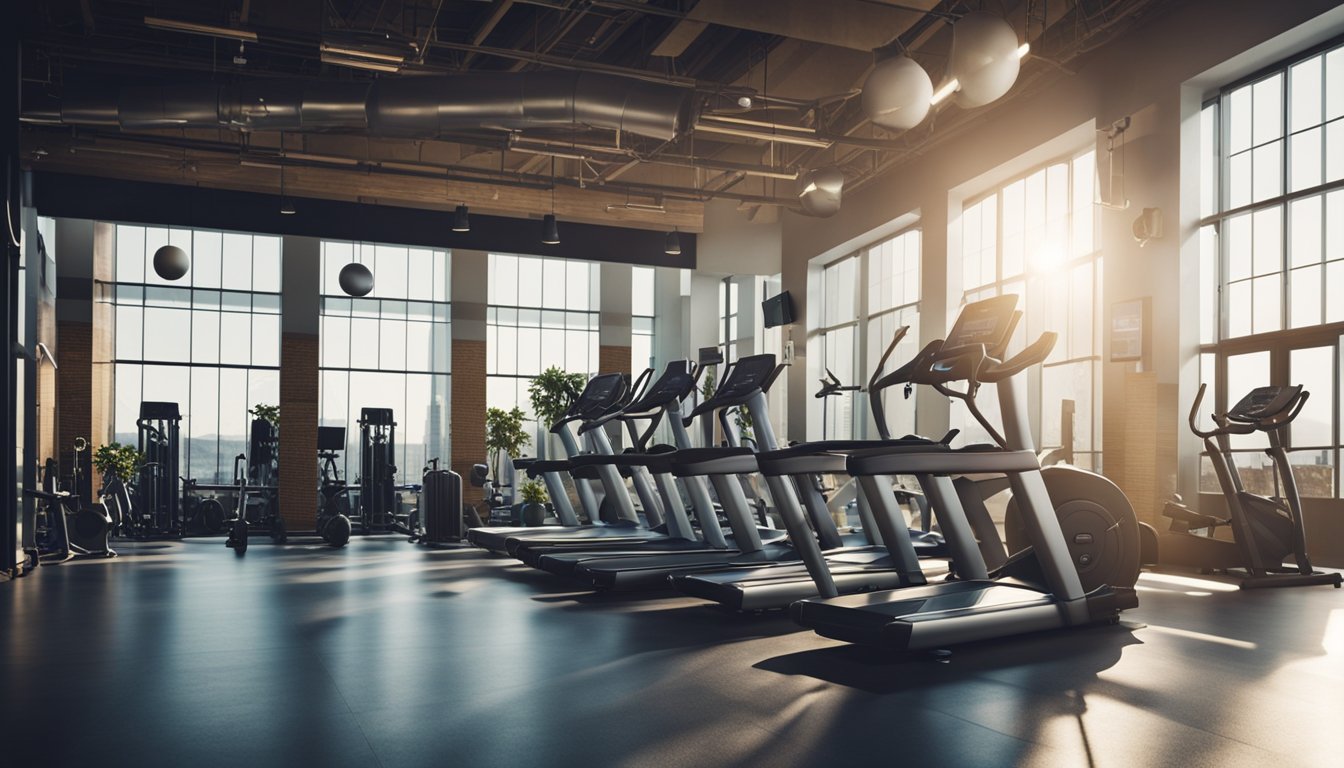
(676,382)
(599,393)
(748,375)
(1263,403)
(987,322)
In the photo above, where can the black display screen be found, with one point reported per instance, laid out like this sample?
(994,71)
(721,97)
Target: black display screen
(748,373)
(985,322)
(600,390)
(675,382)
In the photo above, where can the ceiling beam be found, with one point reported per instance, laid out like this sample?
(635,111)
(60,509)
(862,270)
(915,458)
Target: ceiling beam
(496,14)
(861,26)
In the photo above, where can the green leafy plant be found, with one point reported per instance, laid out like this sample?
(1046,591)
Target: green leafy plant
(503,433)
(533,492)
(707,385)
(552,392)
(268,413)
(120,461)
(742,417)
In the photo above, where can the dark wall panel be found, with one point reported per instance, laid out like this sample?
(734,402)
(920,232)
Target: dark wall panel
(89,197)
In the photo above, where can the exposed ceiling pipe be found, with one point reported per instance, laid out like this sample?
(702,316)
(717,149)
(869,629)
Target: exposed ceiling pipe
(420,107)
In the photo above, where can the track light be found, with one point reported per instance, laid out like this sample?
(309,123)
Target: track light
(550,230)
(672,246)
(209,30)
(942,93)
(461,223)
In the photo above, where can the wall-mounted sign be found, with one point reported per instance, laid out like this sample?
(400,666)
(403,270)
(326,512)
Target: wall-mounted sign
(1129,331)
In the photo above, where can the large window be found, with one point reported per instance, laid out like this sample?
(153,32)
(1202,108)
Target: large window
(642,315)
(729,294)
(865,297)
(838,337)
(1035,237)
(893,302)
(389,349)
(1272,254)
(209,342)
(542,313)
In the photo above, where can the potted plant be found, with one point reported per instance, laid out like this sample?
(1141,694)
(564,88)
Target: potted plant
(503,434)
(118,461)
(534,502)
(267,413)
(552,392)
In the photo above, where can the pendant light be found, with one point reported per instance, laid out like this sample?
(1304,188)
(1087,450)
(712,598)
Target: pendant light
(286,205)
(550,230)
(672,245)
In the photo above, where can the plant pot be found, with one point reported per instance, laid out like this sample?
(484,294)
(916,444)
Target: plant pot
(534,514)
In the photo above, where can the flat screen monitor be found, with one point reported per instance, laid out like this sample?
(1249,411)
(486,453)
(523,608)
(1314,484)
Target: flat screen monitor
(778,310)
(331,438)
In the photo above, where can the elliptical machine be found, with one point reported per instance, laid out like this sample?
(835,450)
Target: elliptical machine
(1265,530)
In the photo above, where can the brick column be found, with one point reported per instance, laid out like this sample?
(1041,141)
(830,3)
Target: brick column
(298,430)
(613,358)
(85,336)
(470,282)
(468,411)
(299,382)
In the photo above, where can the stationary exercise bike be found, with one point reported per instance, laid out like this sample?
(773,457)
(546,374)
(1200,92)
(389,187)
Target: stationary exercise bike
(73,529)
(1266,531)
(333,493)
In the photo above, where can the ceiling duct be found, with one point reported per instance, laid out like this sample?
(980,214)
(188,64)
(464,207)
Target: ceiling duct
(419,107)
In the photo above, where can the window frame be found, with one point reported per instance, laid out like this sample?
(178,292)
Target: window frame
(1279,343)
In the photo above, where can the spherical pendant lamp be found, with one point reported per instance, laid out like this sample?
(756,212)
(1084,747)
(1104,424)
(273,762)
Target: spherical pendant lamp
(356,279)
(171,262)
(897,94)
(984,58)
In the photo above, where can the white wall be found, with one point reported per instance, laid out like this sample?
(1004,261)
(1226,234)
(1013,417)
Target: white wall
(733,244)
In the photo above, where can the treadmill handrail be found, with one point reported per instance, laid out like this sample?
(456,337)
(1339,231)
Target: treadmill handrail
(1034,353)
(1223,428)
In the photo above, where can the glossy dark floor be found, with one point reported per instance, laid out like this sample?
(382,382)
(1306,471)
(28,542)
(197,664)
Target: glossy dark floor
(180,654)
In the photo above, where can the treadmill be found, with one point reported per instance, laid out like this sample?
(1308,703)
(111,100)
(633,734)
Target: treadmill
(661,402)
(748,374)
(602,394)
(744,386)
(750,587)
(1041,587)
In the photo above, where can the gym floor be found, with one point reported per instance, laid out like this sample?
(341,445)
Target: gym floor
(384,654)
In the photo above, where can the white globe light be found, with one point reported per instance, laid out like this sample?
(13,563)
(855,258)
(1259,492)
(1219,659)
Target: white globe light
(820,193)
(897,94)
(984,58)
(171,262)
(356,279)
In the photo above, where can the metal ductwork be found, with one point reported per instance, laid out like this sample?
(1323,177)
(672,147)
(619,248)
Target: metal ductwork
(410,107)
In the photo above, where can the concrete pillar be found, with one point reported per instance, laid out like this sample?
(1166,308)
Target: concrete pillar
(299,344)
(613,336)
(470,291)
